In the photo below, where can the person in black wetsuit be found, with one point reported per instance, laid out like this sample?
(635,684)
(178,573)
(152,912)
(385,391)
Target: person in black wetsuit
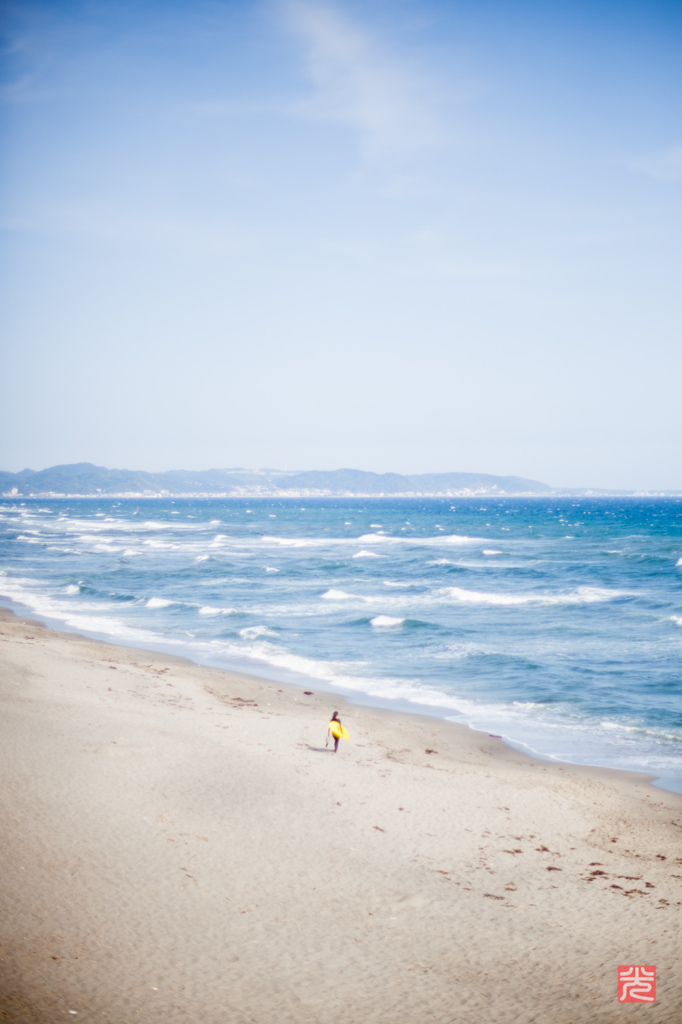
(334,730)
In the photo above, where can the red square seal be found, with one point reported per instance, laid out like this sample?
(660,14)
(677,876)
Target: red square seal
(637,983)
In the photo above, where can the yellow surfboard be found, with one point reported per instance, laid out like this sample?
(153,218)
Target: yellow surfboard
(338,731)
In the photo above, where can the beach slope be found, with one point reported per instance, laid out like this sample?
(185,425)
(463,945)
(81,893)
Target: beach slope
(178,845)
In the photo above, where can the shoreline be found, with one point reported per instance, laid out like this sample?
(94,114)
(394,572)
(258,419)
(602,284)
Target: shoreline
(356,698)
(499,745)
(179,845)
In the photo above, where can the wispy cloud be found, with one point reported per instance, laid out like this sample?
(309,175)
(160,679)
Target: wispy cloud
(359,85)
(666,165)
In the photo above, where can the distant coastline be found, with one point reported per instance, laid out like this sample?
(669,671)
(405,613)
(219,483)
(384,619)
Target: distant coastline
(85,480)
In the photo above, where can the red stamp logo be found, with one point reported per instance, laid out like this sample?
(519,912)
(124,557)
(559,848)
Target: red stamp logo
(637,983)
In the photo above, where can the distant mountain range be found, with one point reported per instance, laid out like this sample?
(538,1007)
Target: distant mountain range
(84,479)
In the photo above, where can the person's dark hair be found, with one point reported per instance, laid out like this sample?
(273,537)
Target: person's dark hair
(335,716)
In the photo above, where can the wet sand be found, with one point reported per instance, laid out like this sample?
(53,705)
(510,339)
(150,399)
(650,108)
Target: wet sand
(178,845)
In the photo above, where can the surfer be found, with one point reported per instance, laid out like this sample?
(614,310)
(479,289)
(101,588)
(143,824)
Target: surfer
(337,731)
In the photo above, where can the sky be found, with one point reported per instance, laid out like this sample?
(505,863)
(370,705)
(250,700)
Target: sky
(392,235)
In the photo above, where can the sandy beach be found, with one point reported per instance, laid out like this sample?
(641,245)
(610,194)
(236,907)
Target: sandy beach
(178,845)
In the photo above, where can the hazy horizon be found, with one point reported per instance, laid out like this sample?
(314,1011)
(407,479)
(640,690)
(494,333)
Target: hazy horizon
(398,237)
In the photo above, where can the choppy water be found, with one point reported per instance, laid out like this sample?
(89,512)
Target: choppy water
(556,623)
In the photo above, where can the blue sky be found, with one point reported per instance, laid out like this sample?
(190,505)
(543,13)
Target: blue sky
(389,235)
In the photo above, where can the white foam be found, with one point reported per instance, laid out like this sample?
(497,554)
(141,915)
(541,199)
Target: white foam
(367,554)
(453,538)
(447,539)
(211,610)
(338,595)
(158,602)
(677,619)
(390,583)
(72,588)
(202,558)
(253,632)
(491,551)
(385,621)
(582,595)
(678,562)
(366,539)
(271,568)
(74,616)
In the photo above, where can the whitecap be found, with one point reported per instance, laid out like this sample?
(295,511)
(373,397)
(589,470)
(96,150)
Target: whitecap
(271,568)
(338,595)
(367,554)
(677,619)
(158,602)
(491,551)
(72,588)
(678,562)
(202,558)
(385,621)
(253,632)
(379,538)
(582,595)
(443,540)
(453,538)
(208,609)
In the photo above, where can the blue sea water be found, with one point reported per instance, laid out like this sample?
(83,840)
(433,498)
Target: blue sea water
(553,622)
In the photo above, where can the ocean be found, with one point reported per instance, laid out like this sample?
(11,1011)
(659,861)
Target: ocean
(555,623)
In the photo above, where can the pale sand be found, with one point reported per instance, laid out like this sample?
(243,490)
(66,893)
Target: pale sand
(173,852)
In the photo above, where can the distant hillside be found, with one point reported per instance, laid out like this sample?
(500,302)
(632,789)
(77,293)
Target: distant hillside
(85,479)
